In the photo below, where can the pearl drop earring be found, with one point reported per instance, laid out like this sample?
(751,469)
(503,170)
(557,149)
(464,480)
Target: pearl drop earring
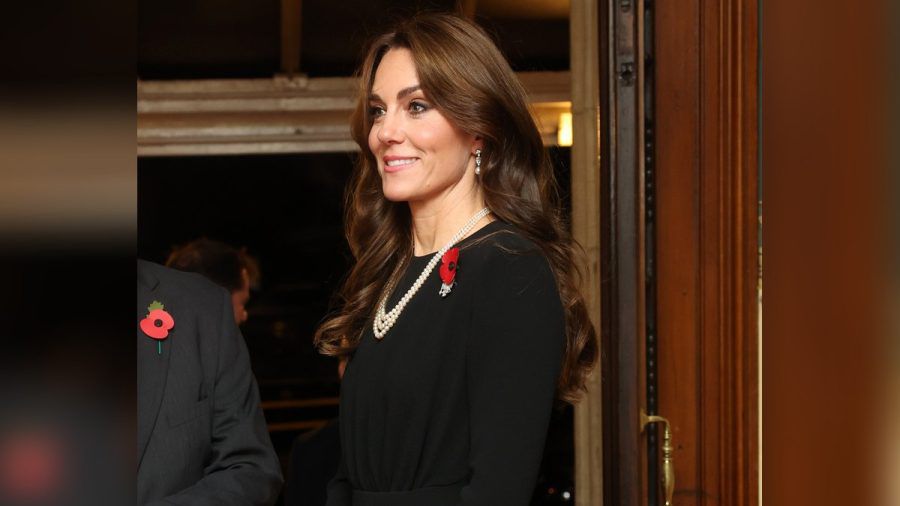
(477,162)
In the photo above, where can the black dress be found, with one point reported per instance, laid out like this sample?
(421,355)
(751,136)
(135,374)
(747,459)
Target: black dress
(452,406)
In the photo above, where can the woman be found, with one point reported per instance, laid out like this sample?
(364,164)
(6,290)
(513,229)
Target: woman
(453,372)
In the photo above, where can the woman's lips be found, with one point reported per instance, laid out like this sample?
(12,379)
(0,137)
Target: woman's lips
(398,163)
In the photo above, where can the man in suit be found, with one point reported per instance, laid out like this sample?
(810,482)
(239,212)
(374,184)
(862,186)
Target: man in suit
(201,435)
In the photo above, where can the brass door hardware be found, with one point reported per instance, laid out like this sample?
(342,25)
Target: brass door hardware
(668,480)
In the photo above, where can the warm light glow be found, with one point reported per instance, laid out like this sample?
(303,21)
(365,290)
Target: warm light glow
(564,131)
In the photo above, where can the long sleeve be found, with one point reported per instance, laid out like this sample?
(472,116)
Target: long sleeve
(243,468)
(513,361)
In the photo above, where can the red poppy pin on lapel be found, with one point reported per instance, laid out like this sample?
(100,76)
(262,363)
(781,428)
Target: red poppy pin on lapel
(157,324)
(449,266)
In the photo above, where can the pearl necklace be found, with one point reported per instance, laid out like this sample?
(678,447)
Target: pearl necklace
(384,320)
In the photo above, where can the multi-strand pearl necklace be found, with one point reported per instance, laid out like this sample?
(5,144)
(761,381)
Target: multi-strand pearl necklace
(384,320)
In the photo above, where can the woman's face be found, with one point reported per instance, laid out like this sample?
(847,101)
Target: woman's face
(422,158)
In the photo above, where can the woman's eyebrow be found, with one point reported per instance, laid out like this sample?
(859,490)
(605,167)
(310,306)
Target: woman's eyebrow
(374,97)
(406,91)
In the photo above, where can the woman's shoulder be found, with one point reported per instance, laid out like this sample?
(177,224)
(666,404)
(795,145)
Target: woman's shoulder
(499,238)
(509,265)
(502,246)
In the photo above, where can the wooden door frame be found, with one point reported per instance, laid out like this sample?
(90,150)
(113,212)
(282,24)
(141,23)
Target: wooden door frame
(716,46)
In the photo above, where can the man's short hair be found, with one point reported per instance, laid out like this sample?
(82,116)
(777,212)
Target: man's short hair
(219,262)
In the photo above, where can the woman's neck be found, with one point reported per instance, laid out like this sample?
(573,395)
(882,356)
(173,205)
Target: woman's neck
(434,225)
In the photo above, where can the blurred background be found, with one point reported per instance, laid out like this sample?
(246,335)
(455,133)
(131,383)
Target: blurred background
(69,206)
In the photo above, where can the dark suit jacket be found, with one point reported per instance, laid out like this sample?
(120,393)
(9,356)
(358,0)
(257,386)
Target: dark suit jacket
(201,435)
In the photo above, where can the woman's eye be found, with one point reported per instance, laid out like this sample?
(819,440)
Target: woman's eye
(376,111)
(416,107)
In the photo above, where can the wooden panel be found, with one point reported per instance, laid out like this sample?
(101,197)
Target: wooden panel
(707,229)
(679,237)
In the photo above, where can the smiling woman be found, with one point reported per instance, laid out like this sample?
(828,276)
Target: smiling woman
(452,375)
(422,157)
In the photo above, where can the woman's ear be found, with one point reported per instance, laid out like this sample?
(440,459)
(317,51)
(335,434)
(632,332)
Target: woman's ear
(478,144)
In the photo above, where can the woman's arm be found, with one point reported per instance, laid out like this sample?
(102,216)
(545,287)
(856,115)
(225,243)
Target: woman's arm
(513,360)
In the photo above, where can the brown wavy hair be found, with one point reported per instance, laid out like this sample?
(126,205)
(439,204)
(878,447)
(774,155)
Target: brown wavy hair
(469,81)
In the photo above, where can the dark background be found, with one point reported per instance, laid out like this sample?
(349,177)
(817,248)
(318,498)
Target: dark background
(197,39)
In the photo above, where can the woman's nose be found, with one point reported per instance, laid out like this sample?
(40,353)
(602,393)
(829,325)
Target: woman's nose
(390,130)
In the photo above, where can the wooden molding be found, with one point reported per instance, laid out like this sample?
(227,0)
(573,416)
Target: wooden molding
(585,191)
(283,114)
(729,163)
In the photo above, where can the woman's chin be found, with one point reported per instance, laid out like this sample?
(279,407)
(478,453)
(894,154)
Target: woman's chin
(395,195)
(401,191)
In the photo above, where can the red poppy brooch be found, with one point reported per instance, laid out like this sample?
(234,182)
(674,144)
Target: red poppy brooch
(158,323)
(449,266)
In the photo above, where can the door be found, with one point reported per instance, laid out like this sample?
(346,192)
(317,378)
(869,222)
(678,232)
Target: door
(679,252)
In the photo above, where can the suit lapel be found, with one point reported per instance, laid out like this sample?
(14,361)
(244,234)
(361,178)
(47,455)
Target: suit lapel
(152,367)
